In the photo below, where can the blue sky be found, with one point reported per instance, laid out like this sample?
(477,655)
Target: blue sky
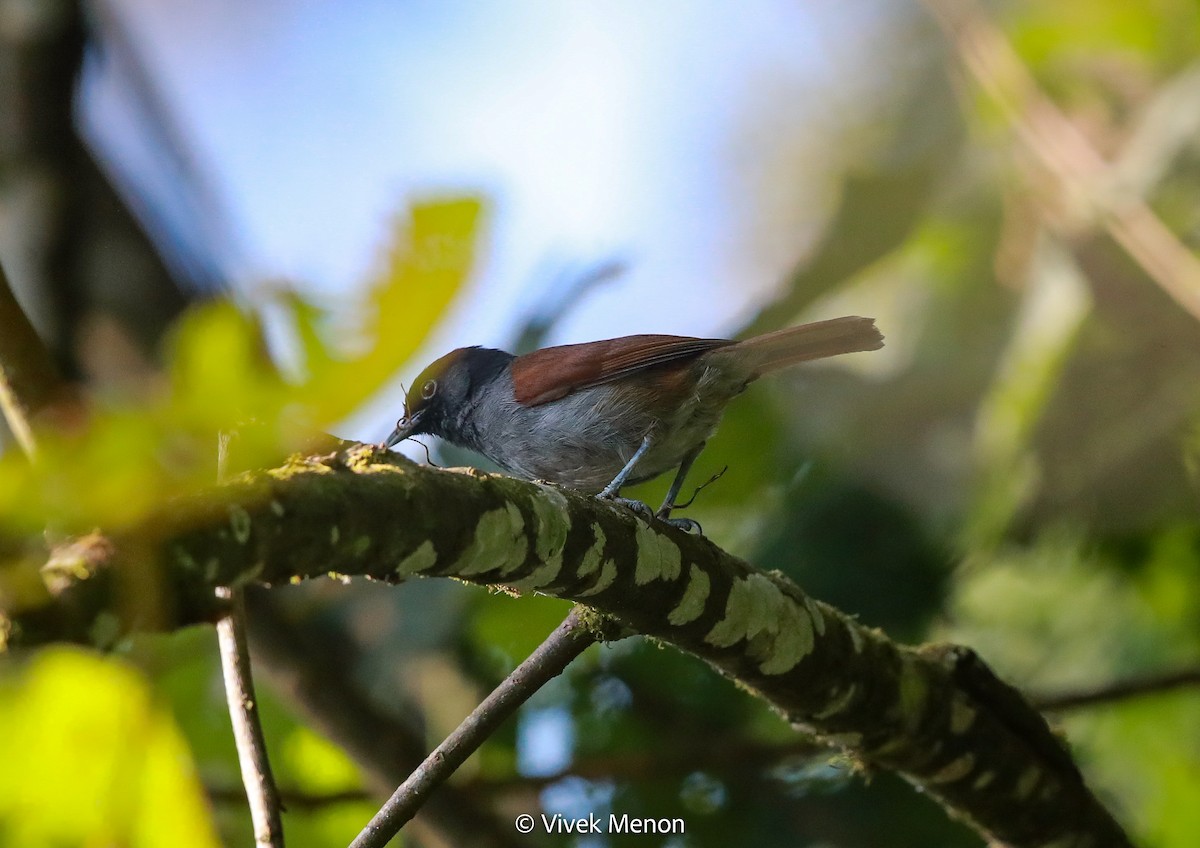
(691,139)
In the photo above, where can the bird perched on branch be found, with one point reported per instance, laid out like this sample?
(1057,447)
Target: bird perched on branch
(601,415)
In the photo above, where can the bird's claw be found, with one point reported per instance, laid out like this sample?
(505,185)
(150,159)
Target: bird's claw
(630,503)
(687,525)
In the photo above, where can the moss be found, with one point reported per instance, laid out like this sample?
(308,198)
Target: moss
(422,559)
(658,558)
(593,556)
(691,605)
(914,691)
(793,632)
(899,708)
(499,543)
(601,627)
(299,465)
(962,715)
(239,523)
(838,702)
(956,769)
(608,575)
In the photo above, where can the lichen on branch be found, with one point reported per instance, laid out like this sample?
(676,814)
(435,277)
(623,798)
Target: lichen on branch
(937,715)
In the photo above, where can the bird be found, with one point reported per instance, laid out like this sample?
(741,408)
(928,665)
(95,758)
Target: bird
(601,415)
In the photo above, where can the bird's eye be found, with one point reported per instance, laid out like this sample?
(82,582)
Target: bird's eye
(429,389)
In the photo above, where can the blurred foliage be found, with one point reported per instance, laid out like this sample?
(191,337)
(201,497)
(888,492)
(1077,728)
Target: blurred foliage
(129,458)
(91,757)
(1017,470)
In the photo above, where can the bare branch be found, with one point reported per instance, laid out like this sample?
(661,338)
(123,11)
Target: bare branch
(29,382)
(739,758)
(1120,690)
(293,799)
(569,640)
(1092,184)
(261,791)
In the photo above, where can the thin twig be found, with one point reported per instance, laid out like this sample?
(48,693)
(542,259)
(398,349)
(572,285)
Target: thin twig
(739,759)
(247,730)
(1120,690)
(569,640)
(261,791)
(294,799)
(309,662)
(29,381)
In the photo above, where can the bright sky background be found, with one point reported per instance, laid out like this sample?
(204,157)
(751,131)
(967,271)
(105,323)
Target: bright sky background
(680,136)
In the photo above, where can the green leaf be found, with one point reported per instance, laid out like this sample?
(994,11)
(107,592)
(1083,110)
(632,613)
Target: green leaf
(91,759)
(427,264)
(220,371)
(1162,32)
(318,764)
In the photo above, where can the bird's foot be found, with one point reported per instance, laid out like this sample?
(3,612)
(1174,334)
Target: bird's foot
(687,525)
(640,507)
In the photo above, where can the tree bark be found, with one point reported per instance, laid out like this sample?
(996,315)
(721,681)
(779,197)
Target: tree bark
(937,715)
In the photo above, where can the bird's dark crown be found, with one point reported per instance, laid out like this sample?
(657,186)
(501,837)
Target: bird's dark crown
(448,384)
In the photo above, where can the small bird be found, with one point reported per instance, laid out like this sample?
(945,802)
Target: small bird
(601,415)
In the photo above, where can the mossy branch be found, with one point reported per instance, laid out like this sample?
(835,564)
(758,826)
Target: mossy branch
(937,715)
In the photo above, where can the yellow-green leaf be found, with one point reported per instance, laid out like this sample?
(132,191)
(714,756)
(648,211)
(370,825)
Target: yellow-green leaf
(91,759)
(427,264)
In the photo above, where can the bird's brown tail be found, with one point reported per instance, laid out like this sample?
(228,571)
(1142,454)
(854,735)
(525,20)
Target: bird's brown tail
(772,351)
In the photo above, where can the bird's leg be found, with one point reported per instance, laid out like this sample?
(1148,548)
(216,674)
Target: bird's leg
(614,488)
(664,511)
(612,491)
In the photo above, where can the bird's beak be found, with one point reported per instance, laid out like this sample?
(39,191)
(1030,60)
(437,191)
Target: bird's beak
(405,427)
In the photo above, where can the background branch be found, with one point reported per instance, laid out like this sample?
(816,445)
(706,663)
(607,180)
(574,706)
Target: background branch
(737,758)
(1090,182)
(29,382)
(1120,690)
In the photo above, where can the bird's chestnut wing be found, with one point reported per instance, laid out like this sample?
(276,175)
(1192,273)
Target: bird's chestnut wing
(555,372)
